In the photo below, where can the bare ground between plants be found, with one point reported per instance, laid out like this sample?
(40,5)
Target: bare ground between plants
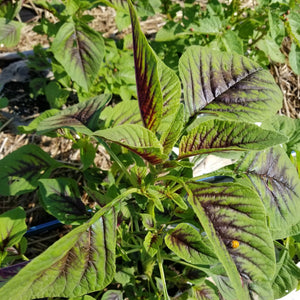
(22,109)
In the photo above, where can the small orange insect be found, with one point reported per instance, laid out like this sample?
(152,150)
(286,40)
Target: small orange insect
(235,244)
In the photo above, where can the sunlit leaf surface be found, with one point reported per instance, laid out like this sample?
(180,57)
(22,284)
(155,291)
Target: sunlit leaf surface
(81,262)
(226,84)
(237,224)
(276,180)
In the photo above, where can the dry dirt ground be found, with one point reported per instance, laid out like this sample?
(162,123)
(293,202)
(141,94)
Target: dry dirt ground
(23,109)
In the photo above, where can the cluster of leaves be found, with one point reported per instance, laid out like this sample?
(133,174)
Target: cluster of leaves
(160,228)
(257,32)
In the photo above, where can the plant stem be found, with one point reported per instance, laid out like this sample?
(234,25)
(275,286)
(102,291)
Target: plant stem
(162,275)
(186,264)
(111,204)
(130,251)
(116,159)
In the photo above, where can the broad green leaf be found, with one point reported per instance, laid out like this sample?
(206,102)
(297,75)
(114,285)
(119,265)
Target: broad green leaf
(205,291)
(112,295)
(271,49)
(287,126)
(234,220)
(211,25)
(61,198)
(32,127)
(152,243)
(232,42)
(170,88)
(10,32)
(171,128)
(187,242)
(218,136)
(81,262)
(148,221)
(177,199)
(21,170)
(120,114)
(12,228)
(263,291)
(287,276)
(227,85)
(155,195)
(294,22)
(277,30)
(80,50)
(169,32)
(80,117)
(137,139)
(56,95)
(276,181)
(147,79)
(294,58)
(87,152)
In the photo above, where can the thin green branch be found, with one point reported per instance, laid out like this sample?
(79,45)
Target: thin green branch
(162,275)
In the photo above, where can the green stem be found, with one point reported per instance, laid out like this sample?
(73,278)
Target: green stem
(116,159)
(186,264)
(162,275)
(221,251)
(154,287)
(130,251)
(111,204)
(24,257)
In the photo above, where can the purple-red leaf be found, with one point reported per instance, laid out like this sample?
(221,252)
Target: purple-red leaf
(147,79)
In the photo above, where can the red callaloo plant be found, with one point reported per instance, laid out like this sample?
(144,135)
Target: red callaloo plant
(161,229)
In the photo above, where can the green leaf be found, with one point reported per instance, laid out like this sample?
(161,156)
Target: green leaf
(56,96)
(271,49)
(177,199)
(276,181)
(286,277)
(147,79)
(205,291)
(227,85)
(12,228)
(156,196)
(211,25)
(80,117)
(170,88)
(35,122)
(87,152)
(232,42)
(287,126)
(81,262)
(171,128)
(152,243)
(10,32)
(294,22)
(137,139)
(21,170)
(294,58)
(60,197)
(80,50)
(112,295)
(148,221)
(277,30)
(234,220)
(187,242)
(218,136)
(3,102)
(120,114)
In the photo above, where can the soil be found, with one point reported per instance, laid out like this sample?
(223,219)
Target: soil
(22,109)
